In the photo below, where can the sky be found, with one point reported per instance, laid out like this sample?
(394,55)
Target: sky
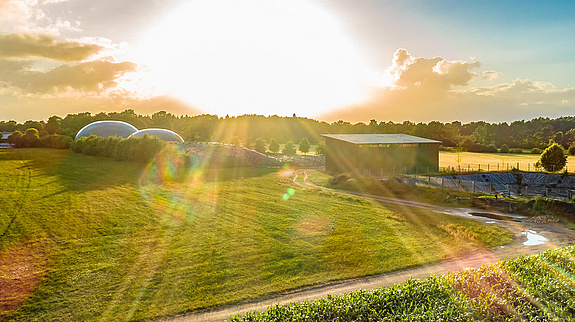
(416,60)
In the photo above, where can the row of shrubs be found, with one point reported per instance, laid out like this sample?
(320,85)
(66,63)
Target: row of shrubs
(31,139)
(134,149)
(491,148)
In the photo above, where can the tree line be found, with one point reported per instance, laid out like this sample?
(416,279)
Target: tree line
(246,129)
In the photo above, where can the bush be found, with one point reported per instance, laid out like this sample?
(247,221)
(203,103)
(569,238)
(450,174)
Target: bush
(471,146)
(339,178)
(15,139)
(490,149)
(56,141)
(516,150)
(31,138)
(536,151)
(572,149)
(504,148)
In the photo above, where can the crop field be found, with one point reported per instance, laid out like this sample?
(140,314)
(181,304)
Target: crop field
(529,288)
(501,161)
(86,238)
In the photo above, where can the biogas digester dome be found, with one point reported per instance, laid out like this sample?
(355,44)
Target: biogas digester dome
(166,135)
(106,129)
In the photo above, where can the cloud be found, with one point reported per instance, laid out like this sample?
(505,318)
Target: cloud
(427,89)
(489,74)
(89,76)
(431,73)
(21,108)
(18,11)
(45,46)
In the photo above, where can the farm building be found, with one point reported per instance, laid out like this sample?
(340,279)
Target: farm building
(377,154)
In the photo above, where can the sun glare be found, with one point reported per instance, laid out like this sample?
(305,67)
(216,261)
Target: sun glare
(255,56)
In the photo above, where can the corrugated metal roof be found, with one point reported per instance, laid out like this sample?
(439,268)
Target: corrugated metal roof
(379,138)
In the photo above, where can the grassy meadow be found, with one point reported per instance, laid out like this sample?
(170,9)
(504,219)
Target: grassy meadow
(87,238)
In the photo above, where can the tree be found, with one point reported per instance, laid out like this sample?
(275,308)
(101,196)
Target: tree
(572,149)
(320,149)
(504,148)
(289,148)
(53,124)
(552,159)
(304,145)
(260,145)
(274,146)
(31,138)
(15,139)
(234,140)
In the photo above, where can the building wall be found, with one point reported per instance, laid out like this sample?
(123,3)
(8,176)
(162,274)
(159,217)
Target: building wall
(375,160)
(340,156)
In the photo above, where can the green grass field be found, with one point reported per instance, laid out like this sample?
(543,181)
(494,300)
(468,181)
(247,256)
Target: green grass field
(504,160)
(94,239)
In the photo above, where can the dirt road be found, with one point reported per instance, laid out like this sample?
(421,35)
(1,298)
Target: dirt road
(530,238)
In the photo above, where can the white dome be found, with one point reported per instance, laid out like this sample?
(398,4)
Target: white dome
(107,128)
(166,135)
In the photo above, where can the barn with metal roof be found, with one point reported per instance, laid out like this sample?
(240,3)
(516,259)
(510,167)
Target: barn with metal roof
(379,154)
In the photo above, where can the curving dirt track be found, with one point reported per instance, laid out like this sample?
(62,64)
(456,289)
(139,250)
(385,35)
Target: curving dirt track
(555,234)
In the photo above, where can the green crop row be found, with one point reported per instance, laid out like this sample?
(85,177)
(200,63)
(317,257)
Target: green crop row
(528,288)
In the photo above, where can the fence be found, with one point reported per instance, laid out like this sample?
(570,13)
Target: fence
(488,167)
(505,185)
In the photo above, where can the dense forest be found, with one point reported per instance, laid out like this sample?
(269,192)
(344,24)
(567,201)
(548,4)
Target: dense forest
(474,136)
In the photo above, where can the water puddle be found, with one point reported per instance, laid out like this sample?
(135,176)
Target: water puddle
(491,215)
(533,238)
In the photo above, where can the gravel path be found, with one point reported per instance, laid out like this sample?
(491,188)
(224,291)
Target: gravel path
(530,238)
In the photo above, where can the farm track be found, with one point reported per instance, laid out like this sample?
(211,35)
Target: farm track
(556,235)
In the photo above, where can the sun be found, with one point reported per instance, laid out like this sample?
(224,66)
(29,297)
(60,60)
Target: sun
(255,57)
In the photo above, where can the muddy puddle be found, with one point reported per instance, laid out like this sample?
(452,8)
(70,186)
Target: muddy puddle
(491,215)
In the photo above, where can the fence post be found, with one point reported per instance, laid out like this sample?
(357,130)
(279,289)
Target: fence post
(497,166)
(473,186)
(528,166)
(488,167)
(517,165)
(479,167)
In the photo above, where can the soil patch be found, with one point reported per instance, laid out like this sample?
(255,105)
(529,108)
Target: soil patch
(22,268)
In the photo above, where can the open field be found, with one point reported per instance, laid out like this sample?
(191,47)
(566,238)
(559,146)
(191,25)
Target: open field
(88,238)
(505,161)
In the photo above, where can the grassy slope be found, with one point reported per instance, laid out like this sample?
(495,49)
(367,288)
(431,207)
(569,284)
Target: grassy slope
(120,244)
